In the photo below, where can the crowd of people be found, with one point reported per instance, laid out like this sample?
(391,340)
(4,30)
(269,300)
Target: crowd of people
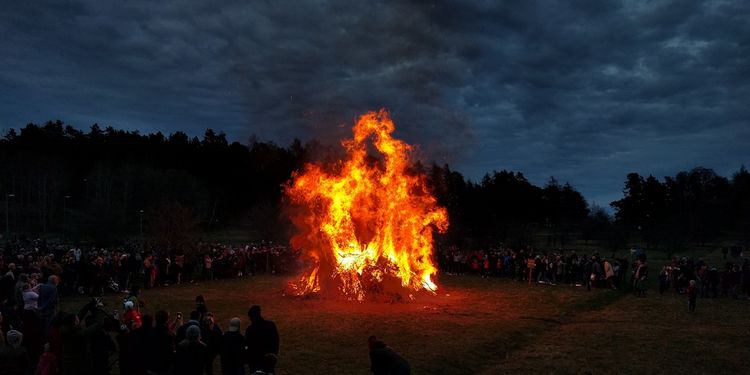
(37,338)
(698,278)
(95,270)
(631,272)
(82,343)
(544,267)
(34,273)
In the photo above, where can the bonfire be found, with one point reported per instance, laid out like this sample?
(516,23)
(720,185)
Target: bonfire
(365,224)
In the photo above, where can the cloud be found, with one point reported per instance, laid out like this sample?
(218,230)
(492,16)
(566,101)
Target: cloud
(586,91)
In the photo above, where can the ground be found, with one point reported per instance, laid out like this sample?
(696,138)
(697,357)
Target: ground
(485,326)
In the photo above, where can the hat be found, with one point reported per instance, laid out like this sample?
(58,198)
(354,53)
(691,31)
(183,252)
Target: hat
(129,305)
(193,333)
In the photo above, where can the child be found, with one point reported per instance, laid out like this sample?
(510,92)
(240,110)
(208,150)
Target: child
(663,280)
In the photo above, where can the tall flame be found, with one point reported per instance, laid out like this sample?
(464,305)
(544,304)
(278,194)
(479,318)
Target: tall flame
(370,221)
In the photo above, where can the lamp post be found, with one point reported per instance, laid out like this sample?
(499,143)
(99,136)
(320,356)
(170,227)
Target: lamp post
(140,222)
(65,217)
(7,215)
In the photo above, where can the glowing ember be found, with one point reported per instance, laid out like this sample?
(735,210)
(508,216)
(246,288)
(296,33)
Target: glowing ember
(366,227)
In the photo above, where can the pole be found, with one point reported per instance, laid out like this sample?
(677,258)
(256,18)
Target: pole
(7,215)
(7,218)
(65,217)
(140,223)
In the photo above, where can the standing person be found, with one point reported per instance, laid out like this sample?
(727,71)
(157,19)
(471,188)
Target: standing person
(76,351)
(14,360)
(161,346)
(149,271)
(663,280)
(609,273)
(232,350)
(589,274)
(640,276)
(692,293)
(178,267)
(49,303)
(32,324)
(101,346)
(262,338)
(596,271)
(191,353)
(384,360)
(211,336)
(208,267)
(182,330)
(200,307)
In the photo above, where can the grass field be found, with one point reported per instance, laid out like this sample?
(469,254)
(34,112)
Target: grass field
(486,326)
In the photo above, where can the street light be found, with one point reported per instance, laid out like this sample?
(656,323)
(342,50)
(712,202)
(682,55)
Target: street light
(65,216)
(140,224)
(7,215)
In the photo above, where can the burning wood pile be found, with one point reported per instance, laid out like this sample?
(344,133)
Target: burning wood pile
(365,224)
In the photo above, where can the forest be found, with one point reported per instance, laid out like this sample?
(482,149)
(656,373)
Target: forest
(107,185)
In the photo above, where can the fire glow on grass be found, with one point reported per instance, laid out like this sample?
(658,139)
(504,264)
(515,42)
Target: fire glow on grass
(365,224)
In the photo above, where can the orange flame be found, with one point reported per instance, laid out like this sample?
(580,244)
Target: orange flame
(369,221)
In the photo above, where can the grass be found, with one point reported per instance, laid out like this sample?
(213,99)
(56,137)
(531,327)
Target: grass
(485,326)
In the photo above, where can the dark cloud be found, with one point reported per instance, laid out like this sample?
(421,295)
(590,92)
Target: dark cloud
(586,91)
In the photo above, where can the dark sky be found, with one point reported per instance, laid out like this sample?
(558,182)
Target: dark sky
(586,91)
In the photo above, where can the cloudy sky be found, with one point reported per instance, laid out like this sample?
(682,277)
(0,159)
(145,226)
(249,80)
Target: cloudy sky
(585,91)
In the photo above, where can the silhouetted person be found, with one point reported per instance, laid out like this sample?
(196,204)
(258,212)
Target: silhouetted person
(232,350)
(194,321)
(190,358)
(76,351)
(211,336)
(262,338)
(200,307)
(49,302)
(141,340)
(640,276)
(161,346)
(14,359)
(101,345)
(692,293)
(385,361)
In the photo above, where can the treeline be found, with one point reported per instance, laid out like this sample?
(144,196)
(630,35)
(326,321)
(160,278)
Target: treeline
(505,207)
(692,207)
(108,184)
(697,205)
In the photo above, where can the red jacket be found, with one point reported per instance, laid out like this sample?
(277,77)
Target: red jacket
(132,318)
(47,365)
